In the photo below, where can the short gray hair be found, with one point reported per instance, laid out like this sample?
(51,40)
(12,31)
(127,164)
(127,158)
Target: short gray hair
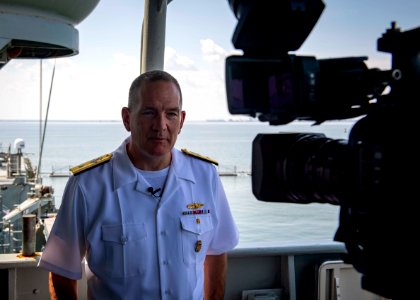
(150,76)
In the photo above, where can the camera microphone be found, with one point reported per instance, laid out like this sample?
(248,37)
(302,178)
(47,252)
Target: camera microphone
(153,191)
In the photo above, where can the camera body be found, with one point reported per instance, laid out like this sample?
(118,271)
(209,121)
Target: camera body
(370,174)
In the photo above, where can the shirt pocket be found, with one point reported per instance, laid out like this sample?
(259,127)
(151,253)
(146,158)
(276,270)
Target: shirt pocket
(196,235)
(123,245)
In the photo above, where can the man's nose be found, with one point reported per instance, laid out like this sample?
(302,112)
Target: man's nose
(160,122)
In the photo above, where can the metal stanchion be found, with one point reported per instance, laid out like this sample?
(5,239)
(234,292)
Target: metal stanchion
(28,232)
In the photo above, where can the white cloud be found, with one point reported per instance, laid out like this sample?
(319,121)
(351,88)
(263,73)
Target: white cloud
(123,60)
(212,52)
(96,92)
(203,87)
(86,89)
(175,61)
(203,94)
(382,62)
(19,95)
(80,91)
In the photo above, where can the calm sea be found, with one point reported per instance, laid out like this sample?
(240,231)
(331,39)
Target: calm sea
(71,143)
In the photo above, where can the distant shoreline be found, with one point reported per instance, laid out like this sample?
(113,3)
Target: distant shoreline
(187,121)
(108,121)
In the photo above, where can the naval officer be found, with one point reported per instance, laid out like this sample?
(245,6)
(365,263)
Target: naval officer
(151,221)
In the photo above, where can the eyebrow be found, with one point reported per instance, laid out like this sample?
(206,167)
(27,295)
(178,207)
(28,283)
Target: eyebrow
(168,109)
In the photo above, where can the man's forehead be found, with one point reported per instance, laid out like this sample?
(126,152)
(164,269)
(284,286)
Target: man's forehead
(151,86)
(148,90)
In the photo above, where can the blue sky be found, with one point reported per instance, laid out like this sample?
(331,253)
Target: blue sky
(93,85)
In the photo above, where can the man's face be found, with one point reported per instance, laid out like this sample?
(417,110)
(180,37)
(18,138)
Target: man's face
(154,122)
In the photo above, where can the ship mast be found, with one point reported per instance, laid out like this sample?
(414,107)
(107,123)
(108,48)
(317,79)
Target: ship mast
(152,50)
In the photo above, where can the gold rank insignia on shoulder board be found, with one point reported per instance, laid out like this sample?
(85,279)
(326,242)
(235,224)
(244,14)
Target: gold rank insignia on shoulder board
(199,156)
(91,164)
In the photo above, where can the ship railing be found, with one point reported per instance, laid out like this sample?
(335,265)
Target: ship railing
(225,170)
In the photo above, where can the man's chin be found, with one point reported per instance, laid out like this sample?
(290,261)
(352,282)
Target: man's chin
(159,151)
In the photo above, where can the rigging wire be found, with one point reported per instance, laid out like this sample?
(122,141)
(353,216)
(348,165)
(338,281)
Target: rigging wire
(38,171)
(40,104)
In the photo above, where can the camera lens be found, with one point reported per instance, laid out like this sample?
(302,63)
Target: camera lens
(301,168)
(315,168)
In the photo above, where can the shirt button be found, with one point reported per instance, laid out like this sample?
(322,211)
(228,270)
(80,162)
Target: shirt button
(165,262)
(167,292)
(123,239)
(163,232)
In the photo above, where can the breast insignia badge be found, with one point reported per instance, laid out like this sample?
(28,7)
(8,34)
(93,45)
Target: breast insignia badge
(199,156)
(194,209)
(195,205)
(91,164)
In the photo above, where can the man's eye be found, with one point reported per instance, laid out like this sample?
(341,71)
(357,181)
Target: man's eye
(148,113)
(172,115)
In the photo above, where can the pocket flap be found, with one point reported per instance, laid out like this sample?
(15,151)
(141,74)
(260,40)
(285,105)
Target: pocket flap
(197,224)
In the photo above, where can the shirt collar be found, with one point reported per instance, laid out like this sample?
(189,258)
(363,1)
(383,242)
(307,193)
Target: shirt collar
(124,172)
(181,166)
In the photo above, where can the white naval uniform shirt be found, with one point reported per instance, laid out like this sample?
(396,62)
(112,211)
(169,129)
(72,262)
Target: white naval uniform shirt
(137,246)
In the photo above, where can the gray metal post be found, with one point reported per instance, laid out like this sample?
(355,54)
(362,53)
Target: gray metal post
(28,235)
(153,35)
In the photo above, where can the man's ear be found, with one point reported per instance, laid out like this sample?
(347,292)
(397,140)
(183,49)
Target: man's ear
(183,114)
(125,115)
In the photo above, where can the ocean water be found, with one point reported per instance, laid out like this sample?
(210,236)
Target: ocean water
(230,143)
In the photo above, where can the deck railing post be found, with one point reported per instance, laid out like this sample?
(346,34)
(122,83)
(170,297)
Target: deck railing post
(28,235)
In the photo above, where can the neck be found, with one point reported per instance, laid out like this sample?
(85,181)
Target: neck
(146,162)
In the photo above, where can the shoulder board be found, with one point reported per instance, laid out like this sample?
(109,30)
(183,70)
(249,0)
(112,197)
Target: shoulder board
(91,164)
(199,156)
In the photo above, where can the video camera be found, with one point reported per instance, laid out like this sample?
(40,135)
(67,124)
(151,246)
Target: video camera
(370,174)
